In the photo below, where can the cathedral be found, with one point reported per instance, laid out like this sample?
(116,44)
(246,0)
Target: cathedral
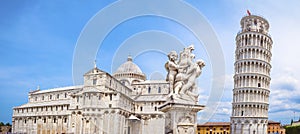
(124,102)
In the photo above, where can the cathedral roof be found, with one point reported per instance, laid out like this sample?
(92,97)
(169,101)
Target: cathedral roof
(152,82)
(152,98)
(56,89)
(46,103)
(129,67)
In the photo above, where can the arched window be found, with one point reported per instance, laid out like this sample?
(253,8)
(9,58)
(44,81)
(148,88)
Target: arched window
(94,81)
(149,89)
(258,85)
(110,97)
(159,90)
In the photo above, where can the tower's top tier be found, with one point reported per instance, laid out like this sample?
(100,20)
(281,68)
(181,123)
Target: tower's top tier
(255,24)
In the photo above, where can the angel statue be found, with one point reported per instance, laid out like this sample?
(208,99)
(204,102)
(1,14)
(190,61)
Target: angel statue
(182,74)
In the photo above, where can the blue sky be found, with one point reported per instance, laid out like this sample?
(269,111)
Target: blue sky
(38,39)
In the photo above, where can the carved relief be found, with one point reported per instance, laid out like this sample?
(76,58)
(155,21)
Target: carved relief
(185,130)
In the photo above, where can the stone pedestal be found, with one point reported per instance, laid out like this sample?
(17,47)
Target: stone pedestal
(181,118)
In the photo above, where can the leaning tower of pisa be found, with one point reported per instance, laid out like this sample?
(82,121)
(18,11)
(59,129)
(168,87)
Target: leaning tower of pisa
(252,77)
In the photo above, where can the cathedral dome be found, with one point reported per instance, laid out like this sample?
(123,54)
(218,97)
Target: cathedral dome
(130,72)
(129,67)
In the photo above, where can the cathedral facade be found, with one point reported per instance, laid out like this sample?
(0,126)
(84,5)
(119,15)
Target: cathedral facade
(122,103)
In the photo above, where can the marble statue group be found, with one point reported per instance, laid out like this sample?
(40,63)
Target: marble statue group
(182,74)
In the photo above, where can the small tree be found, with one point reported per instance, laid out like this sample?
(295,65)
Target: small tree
(7,124)
(1,124)
(292,129)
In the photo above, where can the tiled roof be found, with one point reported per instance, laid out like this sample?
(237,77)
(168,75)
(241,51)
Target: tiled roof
(215,124)
(273,122)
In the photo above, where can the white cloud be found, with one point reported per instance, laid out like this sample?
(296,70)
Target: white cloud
(223,111)
(284,96)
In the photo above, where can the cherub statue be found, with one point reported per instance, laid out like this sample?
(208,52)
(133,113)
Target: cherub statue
(172,68)
(191,75)
(186,60)
(182,75)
